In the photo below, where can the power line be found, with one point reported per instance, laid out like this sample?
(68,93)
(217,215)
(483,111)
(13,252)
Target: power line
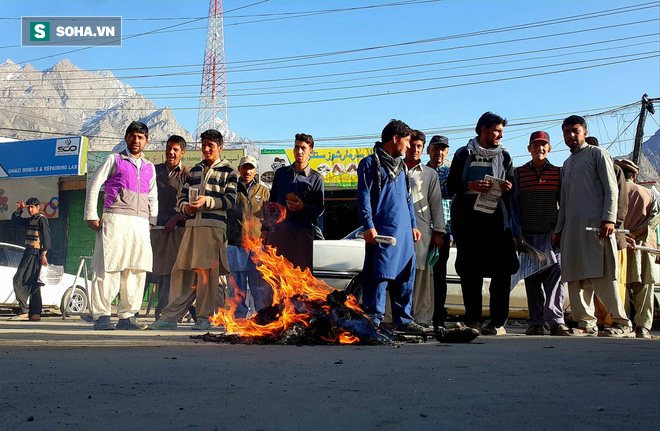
(422,41)
(406,67)
(351,60)
(390,83)
(390,93)
(525,122)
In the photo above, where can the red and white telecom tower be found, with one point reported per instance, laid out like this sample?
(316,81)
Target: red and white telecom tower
(213,96)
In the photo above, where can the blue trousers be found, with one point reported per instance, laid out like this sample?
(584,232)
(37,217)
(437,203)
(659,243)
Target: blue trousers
(244,273)
(374,291)
(262,293)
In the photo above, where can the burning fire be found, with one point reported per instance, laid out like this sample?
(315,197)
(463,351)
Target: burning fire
(296,294)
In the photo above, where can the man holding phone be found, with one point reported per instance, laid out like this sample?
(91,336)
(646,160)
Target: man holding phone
(298,189)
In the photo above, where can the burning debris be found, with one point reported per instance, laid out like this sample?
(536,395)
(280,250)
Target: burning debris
(305,310)
(332,320)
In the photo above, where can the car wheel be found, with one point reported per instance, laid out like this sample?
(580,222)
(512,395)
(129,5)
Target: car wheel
(355,288)
(76,300)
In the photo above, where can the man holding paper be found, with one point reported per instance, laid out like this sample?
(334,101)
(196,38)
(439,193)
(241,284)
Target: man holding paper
(482,172)
(207,194)
(534,211)
(385,207)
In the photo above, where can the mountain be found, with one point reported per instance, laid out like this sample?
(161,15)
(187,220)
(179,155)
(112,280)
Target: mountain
(649,163)
(70,101)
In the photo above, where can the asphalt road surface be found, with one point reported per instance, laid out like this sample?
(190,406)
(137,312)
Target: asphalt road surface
(63,375)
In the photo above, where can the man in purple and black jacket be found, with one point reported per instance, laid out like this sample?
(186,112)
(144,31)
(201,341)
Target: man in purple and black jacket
(122,254)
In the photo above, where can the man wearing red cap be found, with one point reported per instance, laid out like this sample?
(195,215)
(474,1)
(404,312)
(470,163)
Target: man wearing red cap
(534,211)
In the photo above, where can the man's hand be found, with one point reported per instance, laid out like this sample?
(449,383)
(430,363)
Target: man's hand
(606,229)
(481,186)
(294,204)
(198,203)
(370,236)
(417,235)
(436,239)
(94,225)
(44,261)
(521,245)
(20,205)
(506,186)
(189,210)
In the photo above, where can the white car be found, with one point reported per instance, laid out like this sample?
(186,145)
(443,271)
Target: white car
(339,263)
(54,296)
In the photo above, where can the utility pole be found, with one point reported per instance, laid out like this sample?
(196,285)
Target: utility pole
(647,106)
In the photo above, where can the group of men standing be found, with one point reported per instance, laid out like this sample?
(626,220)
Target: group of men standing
(569,214)
(182,229)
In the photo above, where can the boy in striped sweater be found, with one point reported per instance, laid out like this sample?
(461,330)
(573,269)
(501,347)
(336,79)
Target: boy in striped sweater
(535,208)
(202,256)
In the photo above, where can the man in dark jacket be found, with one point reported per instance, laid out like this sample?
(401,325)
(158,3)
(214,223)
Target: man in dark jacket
(37,244)
(483,237)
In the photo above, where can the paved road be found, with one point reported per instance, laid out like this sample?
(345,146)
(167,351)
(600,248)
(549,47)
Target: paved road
(63,375)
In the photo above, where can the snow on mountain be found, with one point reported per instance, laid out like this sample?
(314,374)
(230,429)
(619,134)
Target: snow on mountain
(66,100)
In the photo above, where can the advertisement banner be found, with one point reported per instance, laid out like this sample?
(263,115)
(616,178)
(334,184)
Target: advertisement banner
(190,159)
(44,157)
(337,166)
(45,189)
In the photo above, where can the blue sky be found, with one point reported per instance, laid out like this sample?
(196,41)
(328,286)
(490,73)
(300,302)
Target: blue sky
(422,62)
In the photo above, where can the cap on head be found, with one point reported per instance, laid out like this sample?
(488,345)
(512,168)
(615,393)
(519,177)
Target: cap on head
(441,141)
(539,136)
(247,160)
(627,165)
(33,201)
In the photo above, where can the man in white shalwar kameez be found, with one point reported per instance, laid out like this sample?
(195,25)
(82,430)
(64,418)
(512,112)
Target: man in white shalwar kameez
(589,265)
(427,201)
(122,253)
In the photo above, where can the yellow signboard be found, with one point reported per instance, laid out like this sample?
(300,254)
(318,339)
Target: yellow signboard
(337,166)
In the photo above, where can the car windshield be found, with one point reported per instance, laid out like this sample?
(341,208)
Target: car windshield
(13,257)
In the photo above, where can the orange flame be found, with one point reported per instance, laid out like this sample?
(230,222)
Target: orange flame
(348,338)
(287,282)
(351,302)
(343,338)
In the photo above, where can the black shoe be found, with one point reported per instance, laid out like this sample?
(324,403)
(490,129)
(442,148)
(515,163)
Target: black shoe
(103,324)
(131,324)
(411,328)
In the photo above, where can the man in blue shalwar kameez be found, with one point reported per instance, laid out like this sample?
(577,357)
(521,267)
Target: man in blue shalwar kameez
(386,208)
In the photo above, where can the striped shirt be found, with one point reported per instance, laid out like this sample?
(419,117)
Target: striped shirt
(217,184)
(535,203)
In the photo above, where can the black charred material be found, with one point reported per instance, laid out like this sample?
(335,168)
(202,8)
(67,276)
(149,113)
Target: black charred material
(327,320)
(268,315)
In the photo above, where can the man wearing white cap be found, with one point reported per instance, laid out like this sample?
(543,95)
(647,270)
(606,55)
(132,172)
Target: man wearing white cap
(250,199)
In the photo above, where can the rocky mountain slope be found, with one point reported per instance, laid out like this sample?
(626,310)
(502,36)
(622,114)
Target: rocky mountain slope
(67,100)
